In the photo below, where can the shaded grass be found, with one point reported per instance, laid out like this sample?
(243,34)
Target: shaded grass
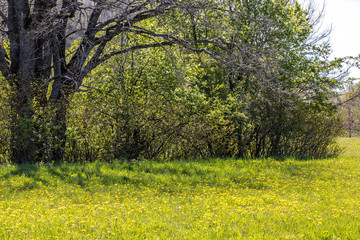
(183,199)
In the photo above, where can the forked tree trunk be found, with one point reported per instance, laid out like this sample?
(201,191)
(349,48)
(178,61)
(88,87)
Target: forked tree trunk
(38,32)
(38,125)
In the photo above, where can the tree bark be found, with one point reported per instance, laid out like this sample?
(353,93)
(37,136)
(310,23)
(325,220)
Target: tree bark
(59,102)
(22,126)
(21,79)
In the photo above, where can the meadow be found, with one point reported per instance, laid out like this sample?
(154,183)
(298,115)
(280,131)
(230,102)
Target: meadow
(184,199)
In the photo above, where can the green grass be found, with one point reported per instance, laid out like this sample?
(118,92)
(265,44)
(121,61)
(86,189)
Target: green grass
(202,199)
(351,146)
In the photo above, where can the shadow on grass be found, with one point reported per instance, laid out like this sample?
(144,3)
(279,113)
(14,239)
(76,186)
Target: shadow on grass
(23,177)
(164,175)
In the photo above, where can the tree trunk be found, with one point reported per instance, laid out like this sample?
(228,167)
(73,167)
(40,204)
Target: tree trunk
(38,129)
(21,79)
(22,145)
(58,133)
(62,91)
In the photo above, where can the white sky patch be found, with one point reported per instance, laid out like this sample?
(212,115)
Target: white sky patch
(344,18)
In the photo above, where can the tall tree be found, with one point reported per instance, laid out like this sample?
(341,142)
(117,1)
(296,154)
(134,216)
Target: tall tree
(43,74)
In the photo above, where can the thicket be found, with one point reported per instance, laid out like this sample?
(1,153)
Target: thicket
(349,110)
(147,111)
(266,94)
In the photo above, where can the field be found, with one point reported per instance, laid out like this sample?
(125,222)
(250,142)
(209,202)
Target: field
(183,199)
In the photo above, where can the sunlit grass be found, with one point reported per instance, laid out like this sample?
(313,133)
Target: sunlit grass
(351,146)
(202,199)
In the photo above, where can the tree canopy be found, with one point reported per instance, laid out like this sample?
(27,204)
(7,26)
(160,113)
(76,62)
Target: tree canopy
(164,78)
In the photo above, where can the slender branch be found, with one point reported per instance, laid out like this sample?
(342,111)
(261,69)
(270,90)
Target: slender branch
(94,62)
(348,100)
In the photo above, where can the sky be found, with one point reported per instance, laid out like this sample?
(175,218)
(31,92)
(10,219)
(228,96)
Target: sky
(344,18)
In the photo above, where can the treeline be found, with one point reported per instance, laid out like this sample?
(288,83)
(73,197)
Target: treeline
(349,109)
(254,82)
(142,110)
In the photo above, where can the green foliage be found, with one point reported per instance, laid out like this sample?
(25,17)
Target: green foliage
(4,121)
(349,110)
(169,103)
